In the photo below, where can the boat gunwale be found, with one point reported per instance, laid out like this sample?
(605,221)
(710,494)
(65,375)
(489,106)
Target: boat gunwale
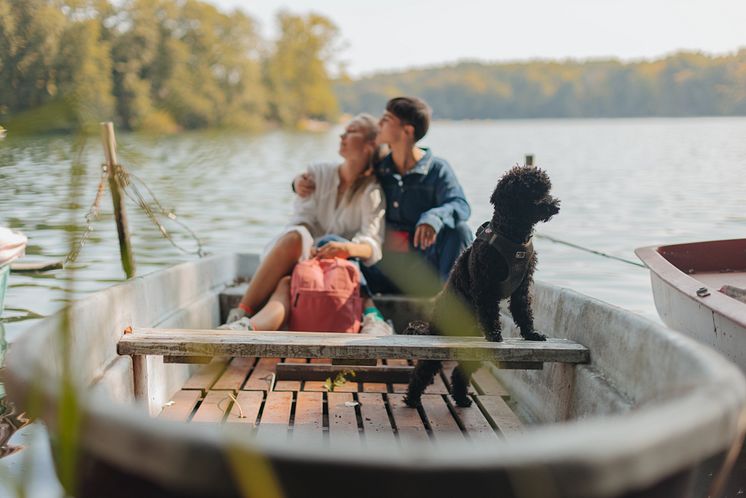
(687,285)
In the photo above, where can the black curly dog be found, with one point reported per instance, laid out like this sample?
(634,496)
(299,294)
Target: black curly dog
(499,264)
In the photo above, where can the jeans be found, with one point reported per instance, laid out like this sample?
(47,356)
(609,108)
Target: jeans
(420,272)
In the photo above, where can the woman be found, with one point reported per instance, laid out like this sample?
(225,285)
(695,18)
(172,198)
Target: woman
(344,218)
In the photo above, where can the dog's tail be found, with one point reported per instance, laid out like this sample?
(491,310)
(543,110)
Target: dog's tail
(417,327)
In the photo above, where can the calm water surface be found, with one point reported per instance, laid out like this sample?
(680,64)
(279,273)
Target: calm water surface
(623,184)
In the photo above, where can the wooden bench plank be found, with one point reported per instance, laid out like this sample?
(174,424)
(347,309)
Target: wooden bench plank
(321,372)
(247,409)
(376,424)
(205,376)
(374,387)
(486,383)
(317,385)
(213,407)
(235,375)
(261,377)
(440,418)
(181,406)
(276,414)
(500,415)
(189,342)
(476,426)
(401,386)
(342,418)
(409,426)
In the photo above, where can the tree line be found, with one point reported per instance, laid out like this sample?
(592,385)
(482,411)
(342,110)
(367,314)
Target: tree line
(683,84)
(168,65)
(159,65)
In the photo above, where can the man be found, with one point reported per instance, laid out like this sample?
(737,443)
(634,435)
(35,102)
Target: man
(426,210)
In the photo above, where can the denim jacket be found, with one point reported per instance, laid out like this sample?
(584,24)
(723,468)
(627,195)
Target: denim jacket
(428,193)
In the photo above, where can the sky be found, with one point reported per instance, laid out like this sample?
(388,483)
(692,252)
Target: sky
(385,35)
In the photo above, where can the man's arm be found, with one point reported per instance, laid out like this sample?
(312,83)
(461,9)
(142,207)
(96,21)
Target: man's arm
(452,206)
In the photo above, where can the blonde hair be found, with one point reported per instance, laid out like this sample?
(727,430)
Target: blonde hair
(370,128)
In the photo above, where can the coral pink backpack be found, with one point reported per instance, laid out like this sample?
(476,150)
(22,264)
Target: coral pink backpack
(325,296)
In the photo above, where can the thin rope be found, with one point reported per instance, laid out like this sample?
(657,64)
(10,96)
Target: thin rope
(592,251)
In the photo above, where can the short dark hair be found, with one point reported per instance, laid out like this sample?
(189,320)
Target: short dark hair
(411,111)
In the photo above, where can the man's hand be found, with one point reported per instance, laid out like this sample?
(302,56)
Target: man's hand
(331,250)
(424,236)
(304,184)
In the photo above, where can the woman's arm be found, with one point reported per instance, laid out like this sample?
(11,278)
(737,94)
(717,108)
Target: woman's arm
(371,233)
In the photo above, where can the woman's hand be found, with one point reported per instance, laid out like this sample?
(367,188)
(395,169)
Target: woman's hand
(304,184)
(331,250)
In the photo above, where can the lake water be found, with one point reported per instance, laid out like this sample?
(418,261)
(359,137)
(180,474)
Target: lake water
(623,183)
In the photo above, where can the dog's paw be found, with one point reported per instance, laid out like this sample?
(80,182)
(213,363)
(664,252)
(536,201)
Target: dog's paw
(534,336)
(494,337)
(464,402)
(417,327)
(411,401)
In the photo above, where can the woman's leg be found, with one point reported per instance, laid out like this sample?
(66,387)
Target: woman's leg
(275,312)
(279,262)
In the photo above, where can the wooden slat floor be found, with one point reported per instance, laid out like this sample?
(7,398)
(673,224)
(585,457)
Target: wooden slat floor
(244,391)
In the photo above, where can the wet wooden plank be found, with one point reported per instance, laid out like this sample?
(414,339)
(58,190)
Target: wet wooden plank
(473,421)
(376,424)
(181,406)
(261,376)
(501,415)
(374,387)
(309,416)
(276,414)
(486,383)
(289,385)
(437,387)
(246,410)
(195,342)
(206,376)
(213,407)
(409,426)
(398,387)
(235,375)
(440,418)
(343,426)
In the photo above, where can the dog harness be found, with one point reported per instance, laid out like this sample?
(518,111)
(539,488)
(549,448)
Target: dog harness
(515,255)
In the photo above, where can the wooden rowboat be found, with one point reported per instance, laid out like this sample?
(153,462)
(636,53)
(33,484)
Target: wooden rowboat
(648,413)
(686,281)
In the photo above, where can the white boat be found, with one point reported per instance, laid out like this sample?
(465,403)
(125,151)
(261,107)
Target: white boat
(687,280)
(652,414)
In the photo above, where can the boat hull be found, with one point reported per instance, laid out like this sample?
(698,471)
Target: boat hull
(652,415)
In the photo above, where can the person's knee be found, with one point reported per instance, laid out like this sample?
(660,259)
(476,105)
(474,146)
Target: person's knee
(284,284)
(290,242)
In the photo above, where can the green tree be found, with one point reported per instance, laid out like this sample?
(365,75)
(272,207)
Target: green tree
(296,70)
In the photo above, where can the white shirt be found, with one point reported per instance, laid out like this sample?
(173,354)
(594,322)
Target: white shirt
(361,220)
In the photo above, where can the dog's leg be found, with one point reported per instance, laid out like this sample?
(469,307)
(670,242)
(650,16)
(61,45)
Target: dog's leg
(423,376)
(520,307)
(460,382)
(488,315)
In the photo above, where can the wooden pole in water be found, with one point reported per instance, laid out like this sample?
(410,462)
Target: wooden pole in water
(117,197)
(529,159)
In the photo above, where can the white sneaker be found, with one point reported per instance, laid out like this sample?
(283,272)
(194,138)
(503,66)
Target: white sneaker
(373,325)
(242,324)
(234,315)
